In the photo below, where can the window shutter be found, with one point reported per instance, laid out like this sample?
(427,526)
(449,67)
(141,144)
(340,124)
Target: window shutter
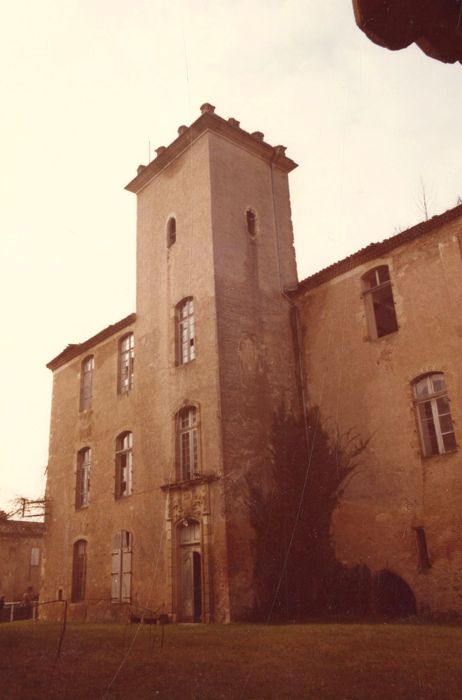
(126,566)
(115,567)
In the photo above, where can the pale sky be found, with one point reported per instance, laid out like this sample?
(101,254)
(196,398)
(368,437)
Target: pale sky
(87,84)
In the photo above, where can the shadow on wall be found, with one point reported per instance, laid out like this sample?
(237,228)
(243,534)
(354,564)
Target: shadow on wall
(296,574)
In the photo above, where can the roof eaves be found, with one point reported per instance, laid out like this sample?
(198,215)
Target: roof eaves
(76,349)
(375,250)
(210,121)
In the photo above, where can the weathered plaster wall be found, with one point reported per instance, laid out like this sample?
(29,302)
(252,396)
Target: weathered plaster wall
(17,572)
(365,385)
(256,354)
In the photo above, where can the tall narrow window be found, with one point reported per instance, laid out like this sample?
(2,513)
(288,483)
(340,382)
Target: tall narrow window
(86,383)
(251,220)
(124,465)
(79,571)
(121,577)
(434,415)
(187,442)
(126,363)
(82,485)
(380,306)
(424,559)
(186,340)
(171,231)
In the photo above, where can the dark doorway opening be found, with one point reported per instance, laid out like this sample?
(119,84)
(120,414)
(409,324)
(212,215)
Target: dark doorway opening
(197,587)
(392,596)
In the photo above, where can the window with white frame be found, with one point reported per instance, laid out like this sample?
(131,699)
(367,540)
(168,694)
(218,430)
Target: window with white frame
(124,465)
(380,305)
(86,383)
(434,414)
(126,363)
(186,340)
(79,571)
(121,569)
(82,482)
(187,443)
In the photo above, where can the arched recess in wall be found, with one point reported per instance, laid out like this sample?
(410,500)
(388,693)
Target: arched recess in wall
(393,597)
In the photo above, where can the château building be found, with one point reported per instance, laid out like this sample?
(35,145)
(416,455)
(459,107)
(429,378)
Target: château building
(163,423)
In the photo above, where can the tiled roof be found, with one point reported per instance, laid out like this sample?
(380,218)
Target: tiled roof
(21,528)
(375,250)
(76,349)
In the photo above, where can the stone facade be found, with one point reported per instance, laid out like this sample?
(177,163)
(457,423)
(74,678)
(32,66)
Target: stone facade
(150,464)
(21,549)
(401,500)
(215,243)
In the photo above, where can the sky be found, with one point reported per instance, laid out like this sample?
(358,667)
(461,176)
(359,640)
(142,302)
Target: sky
(90,87)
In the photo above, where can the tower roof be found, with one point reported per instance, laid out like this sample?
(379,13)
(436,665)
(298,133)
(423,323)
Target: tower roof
(209,121)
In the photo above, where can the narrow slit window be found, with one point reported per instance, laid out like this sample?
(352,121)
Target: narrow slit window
(424,559)
(171,231)
(380,305)
(251,220)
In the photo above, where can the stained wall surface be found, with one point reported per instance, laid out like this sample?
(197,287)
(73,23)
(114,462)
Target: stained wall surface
(364,385)
(20,565)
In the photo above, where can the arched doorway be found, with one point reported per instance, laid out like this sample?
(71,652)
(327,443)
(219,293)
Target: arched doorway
(190,571)
(393,597)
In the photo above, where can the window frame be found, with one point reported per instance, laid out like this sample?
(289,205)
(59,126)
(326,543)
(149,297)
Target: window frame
(124,463)
(187,443)
(79,570)
(82,479)
(371,290)
(185,331)
(86,382)
(433,419)
(126,363)
(121,566)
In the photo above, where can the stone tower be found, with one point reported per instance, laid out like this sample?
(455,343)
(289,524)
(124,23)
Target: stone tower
(214,363)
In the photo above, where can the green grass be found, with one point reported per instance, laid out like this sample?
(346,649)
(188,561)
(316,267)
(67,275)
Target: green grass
(256,662)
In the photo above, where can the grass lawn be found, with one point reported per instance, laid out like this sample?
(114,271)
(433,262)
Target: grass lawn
(233,661)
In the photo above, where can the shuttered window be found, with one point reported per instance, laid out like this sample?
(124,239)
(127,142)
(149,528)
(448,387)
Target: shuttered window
(121,569)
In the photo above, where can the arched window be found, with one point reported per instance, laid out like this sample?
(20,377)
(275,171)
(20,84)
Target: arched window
(121,570)
(433,414)
(187,443)
(124,465)
(82,485)
(171,231)
(126,363)
(380,306)
(79,570)
(86,382)
(251,221)
(186,337)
